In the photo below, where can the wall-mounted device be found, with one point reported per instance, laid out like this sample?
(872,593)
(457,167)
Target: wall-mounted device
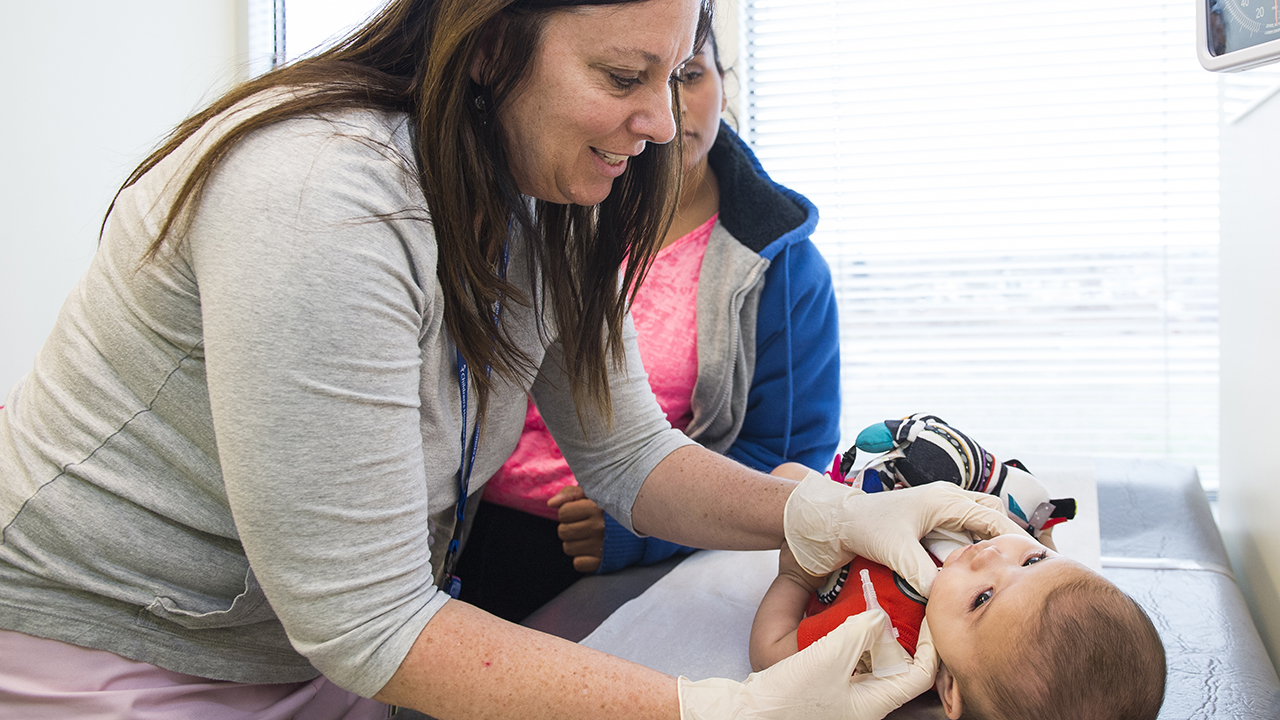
(1233,35)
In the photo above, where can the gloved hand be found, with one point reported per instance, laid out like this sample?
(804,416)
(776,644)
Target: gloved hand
(826,523)
(816,683)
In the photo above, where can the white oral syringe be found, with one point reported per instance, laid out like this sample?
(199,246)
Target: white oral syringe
(887,656)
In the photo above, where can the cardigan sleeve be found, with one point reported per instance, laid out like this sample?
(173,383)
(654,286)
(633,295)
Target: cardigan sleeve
(610,457)
(311,324)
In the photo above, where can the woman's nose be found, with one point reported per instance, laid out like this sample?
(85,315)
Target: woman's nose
(654,119)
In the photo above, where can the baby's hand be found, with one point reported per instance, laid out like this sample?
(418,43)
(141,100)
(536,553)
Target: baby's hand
(581,528)
(1046,538)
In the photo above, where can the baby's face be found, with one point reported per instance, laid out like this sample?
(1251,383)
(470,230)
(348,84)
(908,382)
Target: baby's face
(985,596)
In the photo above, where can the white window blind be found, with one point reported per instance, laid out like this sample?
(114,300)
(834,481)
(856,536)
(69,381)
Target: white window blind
(315,24)
(280,31)
(1019,205)
(265,32)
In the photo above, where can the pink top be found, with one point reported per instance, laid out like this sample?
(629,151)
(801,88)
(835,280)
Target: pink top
(665,313)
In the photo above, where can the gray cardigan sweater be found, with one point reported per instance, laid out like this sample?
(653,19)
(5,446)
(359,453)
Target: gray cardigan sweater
(240,461)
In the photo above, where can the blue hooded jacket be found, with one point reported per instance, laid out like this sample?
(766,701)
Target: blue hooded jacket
(768,387)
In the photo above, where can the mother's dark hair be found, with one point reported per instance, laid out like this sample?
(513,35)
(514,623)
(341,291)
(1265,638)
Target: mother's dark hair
(416,56)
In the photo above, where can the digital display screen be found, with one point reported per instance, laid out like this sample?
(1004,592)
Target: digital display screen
(1237,24)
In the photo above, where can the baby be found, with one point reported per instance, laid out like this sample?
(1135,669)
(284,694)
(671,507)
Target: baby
(1020,631)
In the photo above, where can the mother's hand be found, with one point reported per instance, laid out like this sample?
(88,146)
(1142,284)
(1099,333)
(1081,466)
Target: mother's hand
(827,523)
(581,528)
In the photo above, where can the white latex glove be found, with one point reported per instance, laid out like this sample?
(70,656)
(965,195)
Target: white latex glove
(816,683)
(827,523)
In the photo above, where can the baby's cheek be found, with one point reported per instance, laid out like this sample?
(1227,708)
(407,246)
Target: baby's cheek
(942,591)
(943,630)
(930,614)
(946,605)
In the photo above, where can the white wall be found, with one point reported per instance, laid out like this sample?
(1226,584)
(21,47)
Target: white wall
(1249,327)
(89,87)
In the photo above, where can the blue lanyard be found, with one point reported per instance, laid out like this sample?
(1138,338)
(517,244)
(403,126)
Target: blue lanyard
(450,582)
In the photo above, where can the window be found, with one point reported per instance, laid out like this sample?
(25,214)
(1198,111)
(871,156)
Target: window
(1019,204)
(284,30)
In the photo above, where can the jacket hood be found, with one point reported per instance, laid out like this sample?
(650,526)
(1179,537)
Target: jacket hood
(760,213)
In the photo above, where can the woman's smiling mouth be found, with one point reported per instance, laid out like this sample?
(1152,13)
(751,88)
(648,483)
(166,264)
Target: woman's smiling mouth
(610,158)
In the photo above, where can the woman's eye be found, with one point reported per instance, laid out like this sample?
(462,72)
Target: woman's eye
(981,600)
(623,82)
(687,76)
(1035,558)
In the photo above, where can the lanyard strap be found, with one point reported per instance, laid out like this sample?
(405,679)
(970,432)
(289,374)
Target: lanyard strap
(449,582)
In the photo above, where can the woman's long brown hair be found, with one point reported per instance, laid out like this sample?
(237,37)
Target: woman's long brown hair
(416,57)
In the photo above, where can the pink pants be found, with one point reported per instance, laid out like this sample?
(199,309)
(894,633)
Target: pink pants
(45,679)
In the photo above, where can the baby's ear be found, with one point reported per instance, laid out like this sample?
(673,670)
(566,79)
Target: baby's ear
(949,691)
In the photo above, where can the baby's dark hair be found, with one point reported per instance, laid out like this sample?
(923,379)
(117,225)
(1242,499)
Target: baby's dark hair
(1092,653)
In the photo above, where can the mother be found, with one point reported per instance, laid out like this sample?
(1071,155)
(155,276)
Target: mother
(309,331)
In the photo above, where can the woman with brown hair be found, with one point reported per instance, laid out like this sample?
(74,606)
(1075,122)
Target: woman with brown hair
(243,456)
(738,331)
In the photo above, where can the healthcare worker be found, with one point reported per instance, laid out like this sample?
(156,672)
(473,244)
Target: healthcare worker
(242,457)
(737,326)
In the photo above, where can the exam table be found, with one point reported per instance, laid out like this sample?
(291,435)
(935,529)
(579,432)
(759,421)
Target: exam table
(1157,540)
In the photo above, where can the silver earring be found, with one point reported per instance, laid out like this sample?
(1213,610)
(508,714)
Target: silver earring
(482,101)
